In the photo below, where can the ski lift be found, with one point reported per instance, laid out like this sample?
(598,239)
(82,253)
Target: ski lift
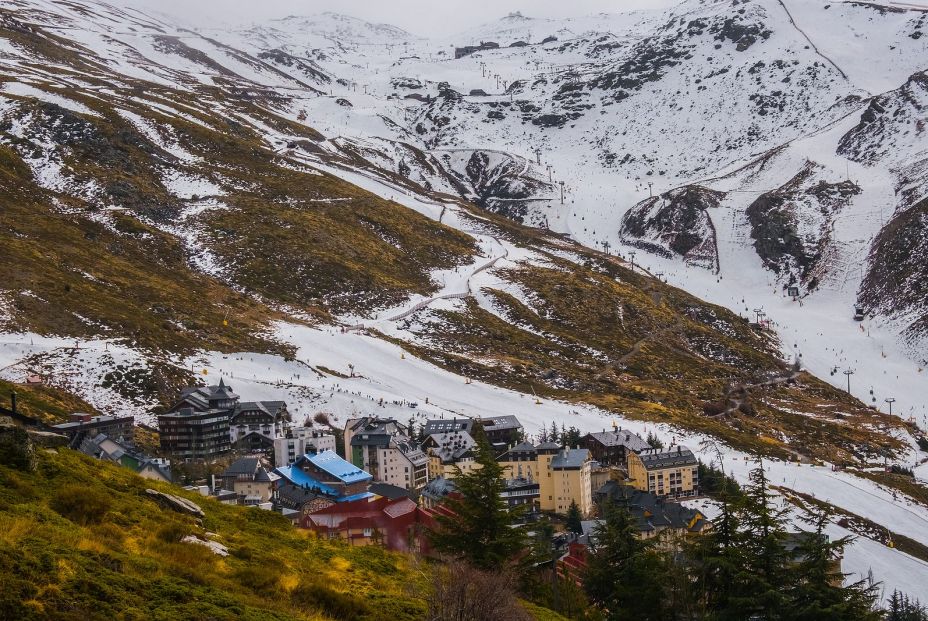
(859,313)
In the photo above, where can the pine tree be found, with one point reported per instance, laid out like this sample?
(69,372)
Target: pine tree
(625,575)
(654,442)
(818,592)
(759,560)
(479,526)
(901,608)
(574,518)
(717,556)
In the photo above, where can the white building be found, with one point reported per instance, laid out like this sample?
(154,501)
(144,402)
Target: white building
(383,448)
(298,441)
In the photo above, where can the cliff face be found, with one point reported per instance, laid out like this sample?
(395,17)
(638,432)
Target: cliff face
(896,284)
(676,223)
(792,226)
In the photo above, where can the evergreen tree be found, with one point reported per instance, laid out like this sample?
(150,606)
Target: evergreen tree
(901,608)
(653,441)
(542,434)
(625,575)
(759,560)
(479,526)
(717,558)
(818,592)
(574,518)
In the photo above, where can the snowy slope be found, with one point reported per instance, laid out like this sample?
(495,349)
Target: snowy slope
(764,105)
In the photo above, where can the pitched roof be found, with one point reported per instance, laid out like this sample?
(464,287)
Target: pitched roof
(651,511)
(375,431)
(386,490)
(400,507)
(496,423)
(272,408)
(295,476)
(570,459)
(620,437)
(438,488)
(344,471)
(450,447)
(447,425)
(664,458)
(294,495)
(245,465)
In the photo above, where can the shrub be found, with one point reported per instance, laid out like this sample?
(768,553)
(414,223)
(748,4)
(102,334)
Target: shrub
(332,603)
(260,578)
(461,591)
(173,532)
(82,505)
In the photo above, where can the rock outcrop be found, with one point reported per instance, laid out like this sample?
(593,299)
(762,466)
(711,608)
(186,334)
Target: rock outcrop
(176,503)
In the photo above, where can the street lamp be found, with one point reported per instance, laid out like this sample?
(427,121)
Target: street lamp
(848,373)
(890,401)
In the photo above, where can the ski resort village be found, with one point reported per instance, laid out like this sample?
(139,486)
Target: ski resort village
(528,315)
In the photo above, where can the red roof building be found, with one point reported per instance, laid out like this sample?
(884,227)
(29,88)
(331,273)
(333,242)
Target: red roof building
(397,524)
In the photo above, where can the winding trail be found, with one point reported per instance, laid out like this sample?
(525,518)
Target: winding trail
(446,296)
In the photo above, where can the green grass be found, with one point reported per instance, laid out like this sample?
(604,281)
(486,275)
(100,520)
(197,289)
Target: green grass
(79,540)
(46,403)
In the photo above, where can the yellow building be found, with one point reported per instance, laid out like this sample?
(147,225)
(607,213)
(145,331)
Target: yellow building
(449,450)
(563,474)
(665,472)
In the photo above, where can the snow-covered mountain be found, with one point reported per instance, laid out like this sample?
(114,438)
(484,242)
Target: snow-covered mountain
(321,210)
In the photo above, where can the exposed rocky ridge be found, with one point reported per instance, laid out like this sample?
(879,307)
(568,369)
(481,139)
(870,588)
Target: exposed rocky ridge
(893,127)
(676,223)
(896,284)
(791,227)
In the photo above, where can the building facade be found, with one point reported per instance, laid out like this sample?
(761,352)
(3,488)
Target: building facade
(564,475)
(191,434)
(298,441)
(665,472)
(255,425)
(448,451)
(502,431)
(383,448)
(611,448)
(252,425)
(250,480)
(83,426)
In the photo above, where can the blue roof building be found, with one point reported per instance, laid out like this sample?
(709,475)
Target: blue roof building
(328,475)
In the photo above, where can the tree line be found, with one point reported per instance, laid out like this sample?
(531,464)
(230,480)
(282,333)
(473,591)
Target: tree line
(748,567)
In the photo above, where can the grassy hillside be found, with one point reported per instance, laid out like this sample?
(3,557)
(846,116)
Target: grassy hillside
(46,403)
(80,540)
(164,216)
(592,330)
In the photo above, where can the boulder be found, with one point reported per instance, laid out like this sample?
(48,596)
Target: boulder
(48,439)
(176,503)
(214,546)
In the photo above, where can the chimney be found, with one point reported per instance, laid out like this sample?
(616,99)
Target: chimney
(13,401)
